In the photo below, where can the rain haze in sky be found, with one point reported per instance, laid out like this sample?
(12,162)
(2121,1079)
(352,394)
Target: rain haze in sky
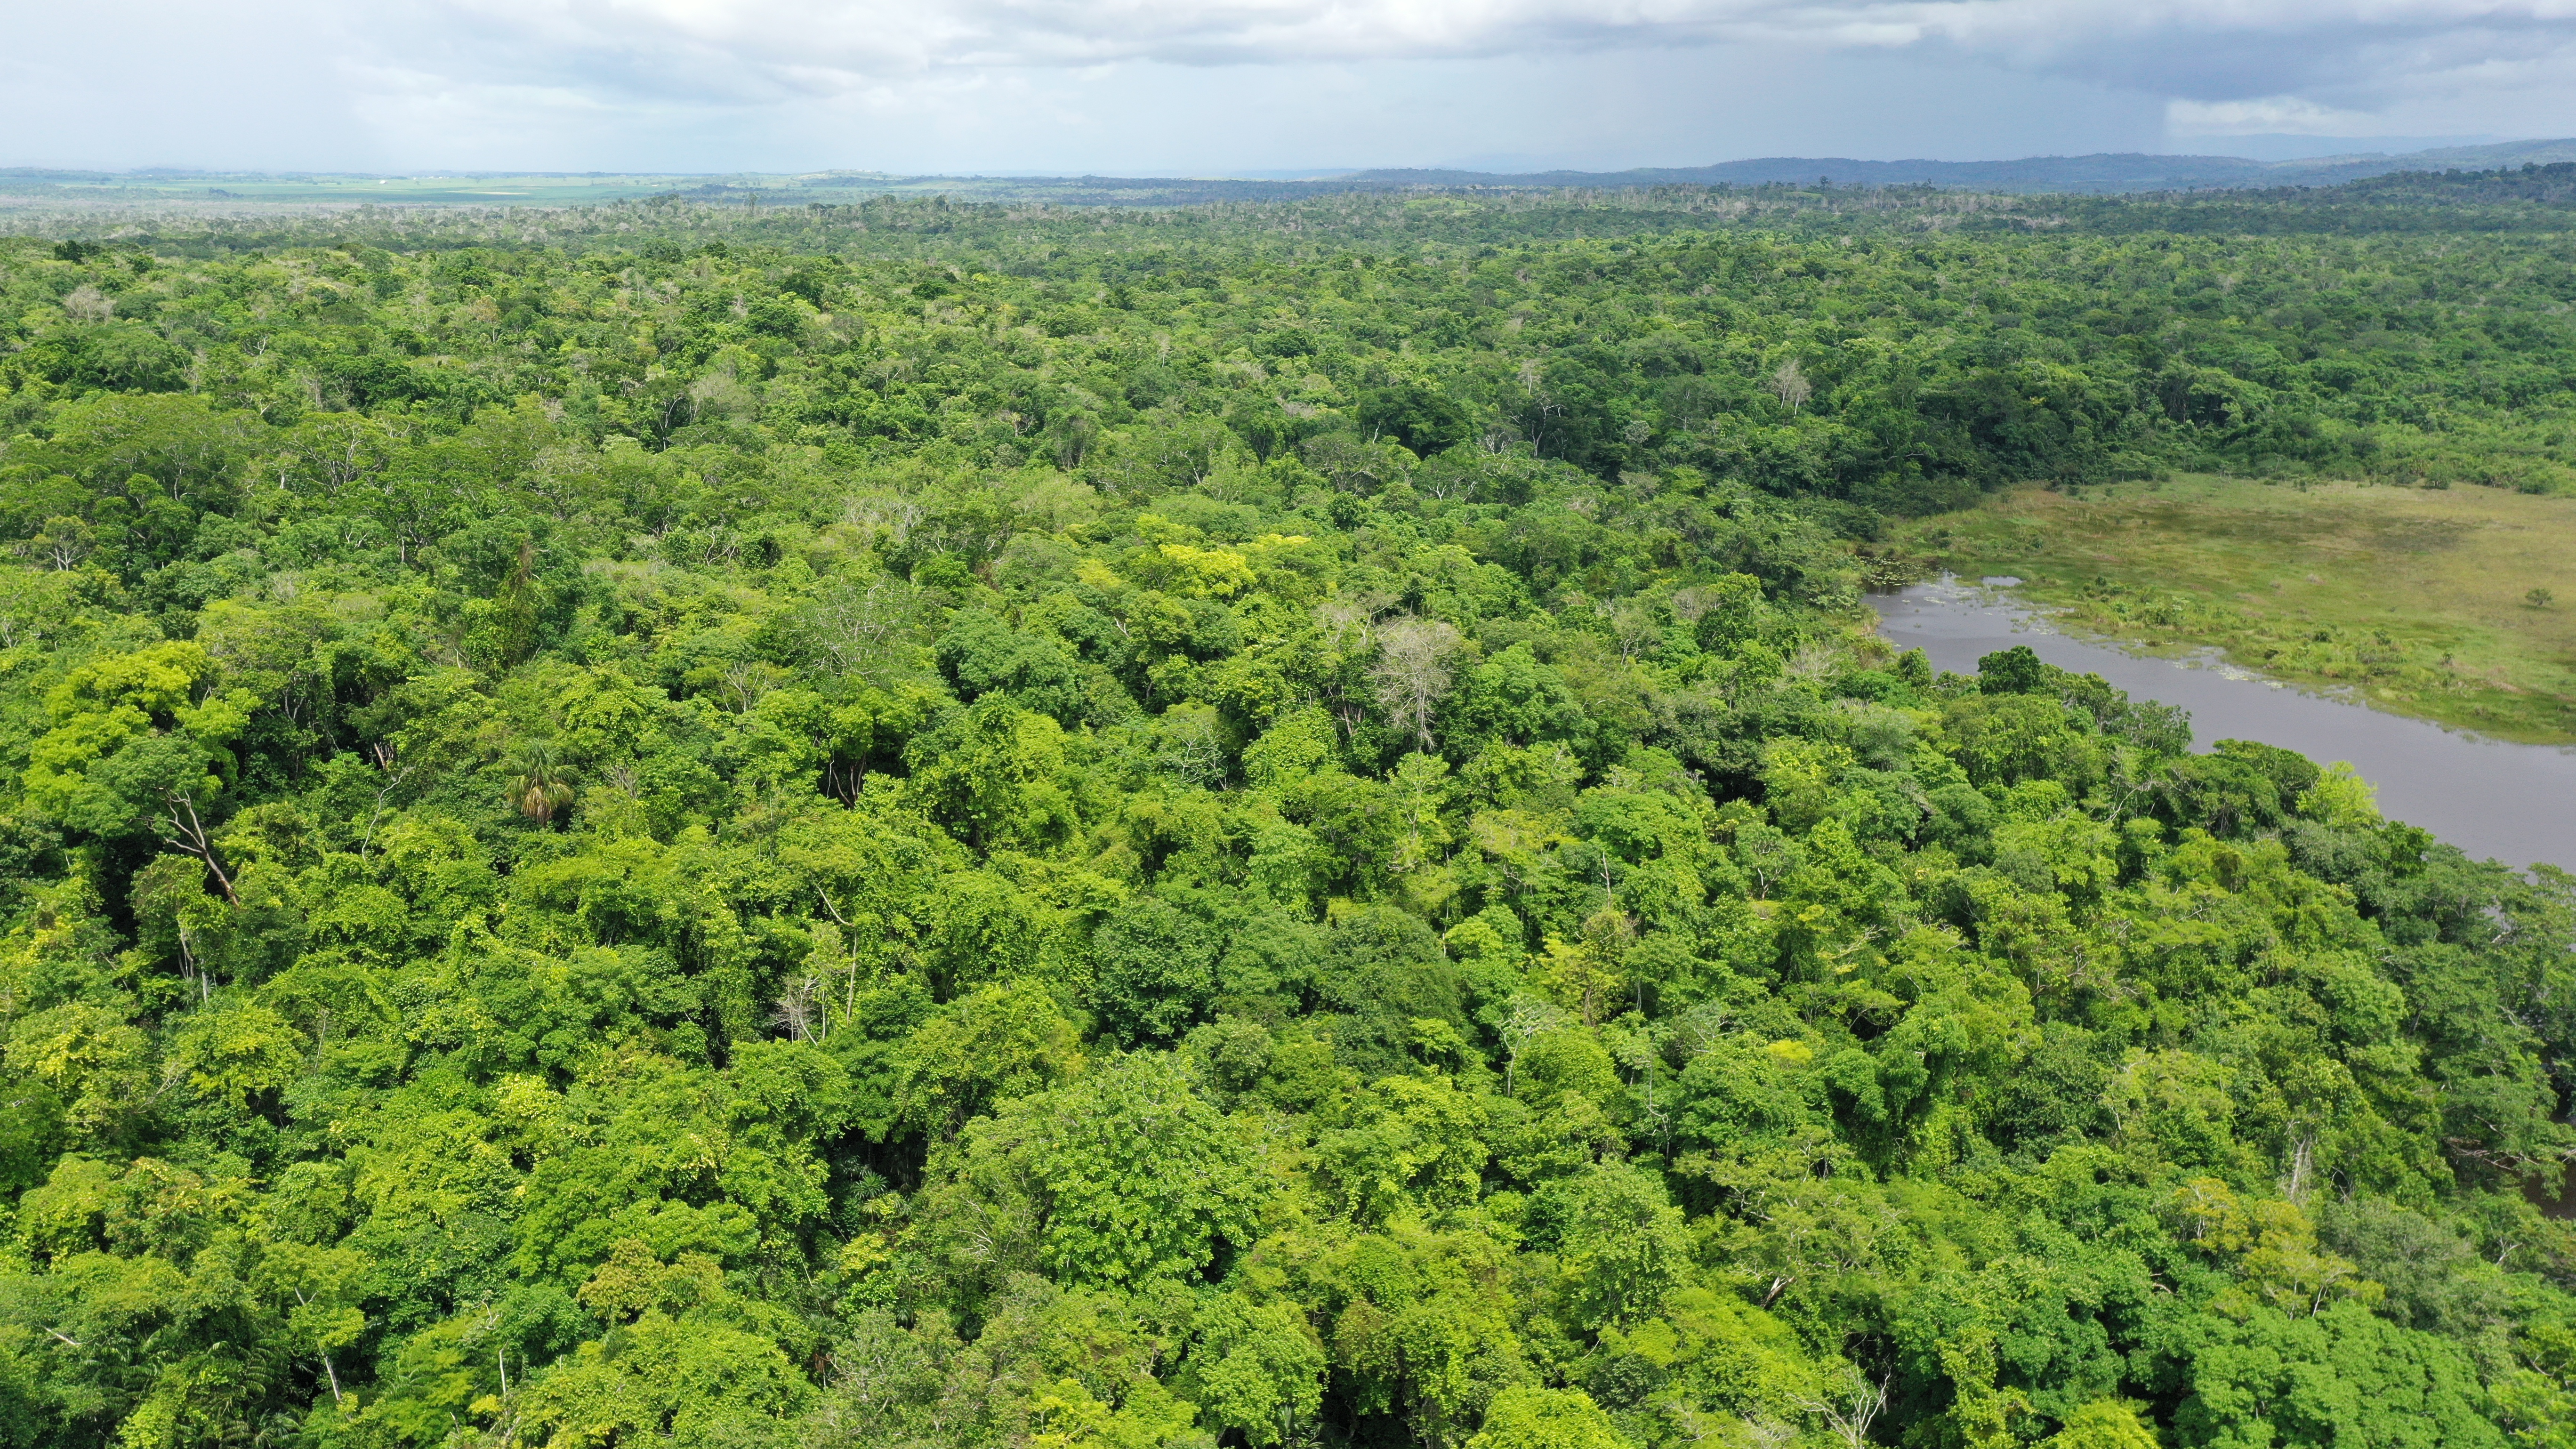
(1235,86)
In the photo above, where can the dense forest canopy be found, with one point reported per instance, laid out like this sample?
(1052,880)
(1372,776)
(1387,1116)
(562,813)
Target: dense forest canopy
(912,825)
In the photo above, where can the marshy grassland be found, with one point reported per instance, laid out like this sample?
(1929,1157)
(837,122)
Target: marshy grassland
(2456,605)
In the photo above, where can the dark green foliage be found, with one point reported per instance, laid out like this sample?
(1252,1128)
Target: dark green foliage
(1010,830)
(1153,971)
(2012,671)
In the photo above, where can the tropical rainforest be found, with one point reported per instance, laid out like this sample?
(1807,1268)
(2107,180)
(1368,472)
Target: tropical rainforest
(920,825)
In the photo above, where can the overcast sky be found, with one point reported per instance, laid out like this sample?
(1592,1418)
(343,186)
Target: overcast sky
(1208,86)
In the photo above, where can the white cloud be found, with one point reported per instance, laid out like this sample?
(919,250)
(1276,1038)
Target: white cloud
(2204,49)
(2277,115)
(2313,66)
(1211,84)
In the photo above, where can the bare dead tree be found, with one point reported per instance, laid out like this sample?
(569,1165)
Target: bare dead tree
(1412,670)
(858,627)
(1191,744)
(189,835)
(803,1010)
(89,304)
(1848,1413)
(382,752)
(1790,386)
(65,543)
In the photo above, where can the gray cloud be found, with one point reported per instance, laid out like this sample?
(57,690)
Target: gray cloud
(2200,49)
(1213,84)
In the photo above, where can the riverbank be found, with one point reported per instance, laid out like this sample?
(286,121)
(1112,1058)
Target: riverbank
(2490,798)
(2420,602)
(2484,795)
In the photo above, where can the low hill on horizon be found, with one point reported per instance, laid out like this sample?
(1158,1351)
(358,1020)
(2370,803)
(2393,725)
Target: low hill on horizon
(2098,172)
(2107,173)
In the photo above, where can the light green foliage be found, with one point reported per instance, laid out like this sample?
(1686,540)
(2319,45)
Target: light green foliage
(1413,1146)
(981,1049)
(1123,1176)
(1625,1247)
(679,1382)
(1144,830)
(2103,1424)
(2340,797)
(1257,1368)
(131,739)
(2342,1375)
(1546,1419)
(236,1052)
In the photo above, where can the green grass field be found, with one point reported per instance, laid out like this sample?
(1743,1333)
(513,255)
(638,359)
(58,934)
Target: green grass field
(2421,602)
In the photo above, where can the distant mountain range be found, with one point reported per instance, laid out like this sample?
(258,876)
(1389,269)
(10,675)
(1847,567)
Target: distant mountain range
(2101,174)
(2104,172)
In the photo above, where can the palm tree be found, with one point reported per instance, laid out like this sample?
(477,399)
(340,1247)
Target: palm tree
(539,785)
